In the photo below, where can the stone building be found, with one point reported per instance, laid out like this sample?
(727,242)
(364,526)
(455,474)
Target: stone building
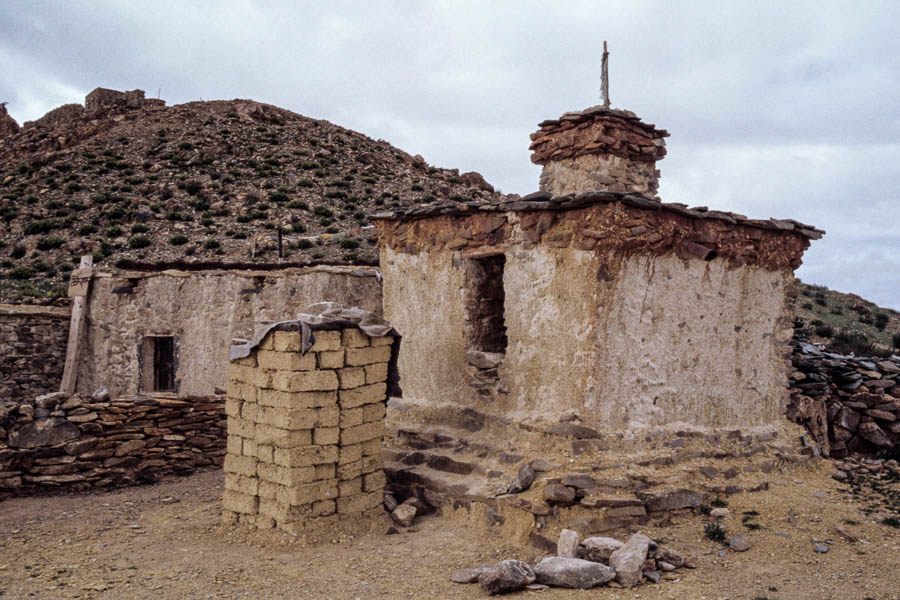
(590,297)
(168,331)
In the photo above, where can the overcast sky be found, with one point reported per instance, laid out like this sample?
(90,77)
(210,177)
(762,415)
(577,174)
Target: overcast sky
(780,109)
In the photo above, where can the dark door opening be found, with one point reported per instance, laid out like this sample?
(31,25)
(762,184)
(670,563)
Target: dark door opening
(164,364)
(158,364)
(485,300)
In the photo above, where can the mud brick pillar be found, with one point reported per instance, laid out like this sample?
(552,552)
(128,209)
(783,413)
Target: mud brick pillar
(305,430)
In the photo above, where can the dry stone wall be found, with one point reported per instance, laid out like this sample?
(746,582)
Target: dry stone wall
(305,430)
(83,442)
(32,349)
(850,405)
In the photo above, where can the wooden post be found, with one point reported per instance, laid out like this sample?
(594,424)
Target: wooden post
(79,288)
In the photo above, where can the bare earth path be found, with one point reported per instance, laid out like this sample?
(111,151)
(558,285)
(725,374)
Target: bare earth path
(165,541)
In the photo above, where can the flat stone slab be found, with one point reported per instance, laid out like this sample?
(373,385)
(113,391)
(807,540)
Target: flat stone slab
(559,571)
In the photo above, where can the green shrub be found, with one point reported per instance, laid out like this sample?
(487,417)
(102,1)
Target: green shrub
(139,241)
(323,211)
(138,228)
(807,305)
(211,244)
(715,532)
(21,273)
(279,197)
(349,244)
(178,240)
(17,252)
(192,186)
(845,342)
(298,228)
(114,231)
(38,227)
(300,204)
(896,340)
(305,244)
(881,321)
(825,331)
(50,243)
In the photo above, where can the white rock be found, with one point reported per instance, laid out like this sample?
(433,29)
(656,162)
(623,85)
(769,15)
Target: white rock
(567,545)
(628,560)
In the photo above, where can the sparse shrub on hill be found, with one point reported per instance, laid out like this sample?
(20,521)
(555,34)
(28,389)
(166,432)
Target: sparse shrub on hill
(881,320)
(856,343)
(50,243)
(178,240)
(139,241)
(38,227)
(826,331)
(896,340)
(17,252)
(21,273)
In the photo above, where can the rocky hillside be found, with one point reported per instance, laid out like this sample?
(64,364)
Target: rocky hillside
(127,178)
(847,323)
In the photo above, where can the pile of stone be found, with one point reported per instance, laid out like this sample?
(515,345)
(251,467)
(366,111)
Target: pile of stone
(597,130)
(82,441)
(584,564)
(850,405)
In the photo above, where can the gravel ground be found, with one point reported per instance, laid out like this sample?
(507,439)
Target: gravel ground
(165,541)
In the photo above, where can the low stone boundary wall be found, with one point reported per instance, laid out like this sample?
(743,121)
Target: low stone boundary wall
(82,443)
(305,430)
(32,349)
(849,405)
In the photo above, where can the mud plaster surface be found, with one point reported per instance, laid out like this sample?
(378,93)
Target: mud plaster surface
(624,341)
(204,311)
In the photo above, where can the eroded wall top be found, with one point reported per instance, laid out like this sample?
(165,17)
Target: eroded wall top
(599,221)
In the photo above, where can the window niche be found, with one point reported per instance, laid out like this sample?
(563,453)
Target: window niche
(486,338)
(158,363)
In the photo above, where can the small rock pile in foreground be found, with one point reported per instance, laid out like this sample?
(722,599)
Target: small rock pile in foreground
(578,564)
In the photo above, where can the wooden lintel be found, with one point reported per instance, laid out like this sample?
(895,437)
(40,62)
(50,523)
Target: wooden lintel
(484,251)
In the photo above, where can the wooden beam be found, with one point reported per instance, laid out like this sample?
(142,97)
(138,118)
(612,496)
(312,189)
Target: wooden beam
(79,288)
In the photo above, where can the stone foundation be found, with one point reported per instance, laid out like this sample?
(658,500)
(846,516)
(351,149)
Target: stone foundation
(305,430)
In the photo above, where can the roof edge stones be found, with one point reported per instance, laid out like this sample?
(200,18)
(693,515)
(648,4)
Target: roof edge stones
(545,201)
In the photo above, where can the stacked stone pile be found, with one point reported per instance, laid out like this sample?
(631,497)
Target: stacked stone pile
(305,430)
(597,130)
(849,404)
(584,564)
(83,442)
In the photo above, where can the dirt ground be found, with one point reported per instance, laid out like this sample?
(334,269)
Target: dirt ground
(166,541)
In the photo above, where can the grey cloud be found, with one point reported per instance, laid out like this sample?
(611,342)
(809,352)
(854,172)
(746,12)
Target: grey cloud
(776,109)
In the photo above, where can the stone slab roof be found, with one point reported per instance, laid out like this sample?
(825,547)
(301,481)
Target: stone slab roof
(579,116)
(544,201)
